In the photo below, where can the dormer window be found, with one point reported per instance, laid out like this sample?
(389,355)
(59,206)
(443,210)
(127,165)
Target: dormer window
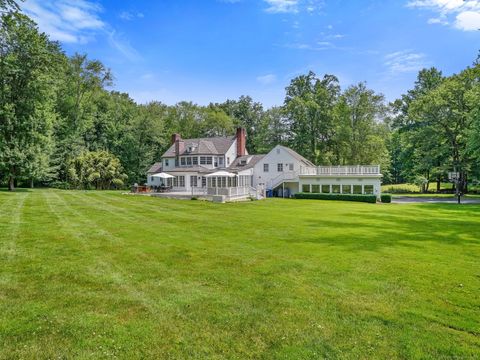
(191,148)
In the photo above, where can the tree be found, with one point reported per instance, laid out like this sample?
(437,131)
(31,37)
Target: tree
(424,151)
(83,86)
(28,65)
(7,6)
(448,110)
(245,113)
(98,169)
(310,107)
(273,130)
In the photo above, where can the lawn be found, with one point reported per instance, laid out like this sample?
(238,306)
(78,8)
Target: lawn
(103,275)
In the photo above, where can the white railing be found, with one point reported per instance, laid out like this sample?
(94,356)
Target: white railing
(341,170)
(229,191)
(287,175)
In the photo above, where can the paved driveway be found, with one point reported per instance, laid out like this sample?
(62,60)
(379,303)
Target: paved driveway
(438,200)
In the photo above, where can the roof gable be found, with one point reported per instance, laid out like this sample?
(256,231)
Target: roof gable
(203,146)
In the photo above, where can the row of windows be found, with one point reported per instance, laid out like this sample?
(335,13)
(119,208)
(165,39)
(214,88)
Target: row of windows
(337,189)
(280,167)
(217,161)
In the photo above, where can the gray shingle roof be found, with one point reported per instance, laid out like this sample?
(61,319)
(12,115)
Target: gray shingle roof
(203,146)
(297,156)
(155,168)
(236,165)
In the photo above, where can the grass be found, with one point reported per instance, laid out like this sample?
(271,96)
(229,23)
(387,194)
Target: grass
(414,189)
(103,275)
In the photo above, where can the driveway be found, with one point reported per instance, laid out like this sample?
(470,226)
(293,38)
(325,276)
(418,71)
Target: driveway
(433,200)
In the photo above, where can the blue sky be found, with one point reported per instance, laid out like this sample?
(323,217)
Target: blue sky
(210,50)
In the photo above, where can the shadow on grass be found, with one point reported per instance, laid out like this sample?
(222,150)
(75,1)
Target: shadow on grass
(372,230)
(16,190)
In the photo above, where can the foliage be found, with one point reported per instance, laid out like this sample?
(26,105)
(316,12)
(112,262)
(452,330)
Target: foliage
(28,66)
(98,169)
(386,198)
(341,197)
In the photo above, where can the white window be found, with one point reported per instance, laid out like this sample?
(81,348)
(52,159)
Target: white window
(209,160)
(166,162)
(181,181)
(228,161)
(279,167)
(265,167)
(195,160)
(183,161)
(290,166)
(193,181)
(203,160)
(152,178)
(189,161)
(220,161)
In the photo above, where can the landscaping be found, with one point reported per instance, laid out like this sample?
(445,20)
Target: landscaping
(87,274)
(342,197)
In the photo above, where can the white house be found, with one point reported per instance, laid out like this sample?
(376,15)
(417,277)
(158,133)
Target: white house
(222,166)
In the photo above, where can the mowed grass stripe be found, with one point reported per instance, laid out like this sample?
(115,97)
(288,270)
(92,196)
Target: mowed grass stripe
(101,274)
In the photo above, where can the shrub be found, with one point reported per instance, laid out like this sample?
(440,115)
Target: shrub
(343,197)
(60,185)
(194,198)
(386,198)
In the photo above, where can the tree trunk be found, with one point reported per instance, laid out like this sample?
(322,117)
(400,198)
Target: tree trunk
(31,183)
(438,184)
(11,183)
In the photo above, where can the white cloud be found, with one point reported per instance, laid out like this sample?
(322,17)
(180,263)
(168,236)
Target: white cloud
(405,61)
(267,79)
(463,14)
(468,21)
(293,6)
(66,20)
(282,6)
(128,16)
(76,21)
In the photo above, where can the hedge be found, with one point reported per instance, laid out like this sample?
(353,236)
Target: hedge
(386,198)
(344,197)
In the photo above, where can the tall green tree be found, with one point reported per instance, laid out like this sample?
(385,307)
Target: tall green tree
(448,110)
(245,113)
(363,127)
(28,68)
(310,107)
(425,152)
(83,85)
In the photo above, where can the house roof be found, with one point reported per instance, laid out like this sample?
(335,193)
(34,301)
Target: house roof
(203,146)
(155,168)
(251,161)
(198,168)
(297,156)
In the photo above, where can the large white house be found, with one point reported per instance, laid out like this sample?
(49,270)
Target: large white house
(222,166)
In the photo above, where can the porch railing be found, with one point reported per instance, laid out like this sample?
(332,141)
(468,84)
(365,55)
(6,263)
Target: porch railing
(341,170)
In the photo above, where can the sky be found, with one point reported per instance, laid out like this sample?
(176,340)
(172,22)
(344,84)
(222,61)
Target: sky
(212,50)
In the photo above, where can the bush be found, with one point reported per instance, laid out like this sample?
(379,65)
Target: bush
(60,185)
(386,198)
(194,198)
(343,197)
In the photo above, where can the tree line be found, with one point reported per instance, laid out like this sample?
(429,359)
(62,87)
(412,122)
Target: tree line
(62,125)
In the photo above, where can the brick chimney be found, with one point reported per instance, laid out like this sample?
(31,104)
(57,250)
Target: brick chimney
(175,137)
(241,141)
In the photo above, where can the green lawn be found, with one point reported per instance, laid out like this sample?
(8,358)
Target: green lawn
(101,275)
